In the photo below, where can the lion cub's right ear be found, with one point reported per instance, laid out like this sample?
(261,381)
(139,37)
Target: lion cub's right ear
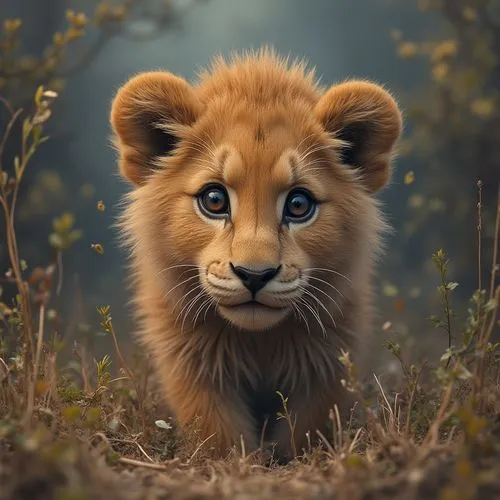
(145,114)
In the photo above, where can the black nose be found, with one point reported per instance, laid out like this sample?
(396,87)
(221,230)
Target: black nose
(255,280)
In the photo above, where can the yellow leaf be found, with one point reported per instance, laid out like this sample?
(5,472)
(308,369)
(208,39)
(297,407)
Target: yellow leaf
(482,107)
(87,190)
(98,248)
(355,460)
(416,201)
(71,413)
(11,25)
(407,50)
(469,14)
(447,48)
(440,71)
(409,177)
(58,39)
(390,290)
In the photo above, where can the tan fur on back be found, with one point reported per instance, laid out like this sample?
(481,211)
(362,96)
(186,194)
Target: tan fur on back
(259,126)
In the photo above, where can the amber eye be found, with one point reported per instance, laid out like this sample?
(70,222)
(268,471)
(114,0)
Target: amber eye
(299,206)
(213,201)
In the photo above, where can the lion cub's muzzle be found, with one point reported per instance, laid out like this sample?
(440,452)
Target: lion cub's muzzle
(254,280)
(252,298)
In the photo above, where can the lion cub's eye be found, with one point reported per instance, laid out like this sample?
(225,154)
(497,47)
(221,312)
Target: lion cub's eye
(299,206)
(213,201)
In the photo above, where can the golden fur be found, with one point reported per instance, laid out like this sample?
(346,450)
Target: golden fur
(259,126)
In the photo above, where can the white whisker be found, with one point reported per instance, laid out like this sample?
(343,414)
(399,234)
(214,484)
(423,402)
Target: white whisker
(296,308)
(309,294)
(201,307)
(330,297)
(179,284)
(303,301)
(190,305)
(197,287)
(328,271)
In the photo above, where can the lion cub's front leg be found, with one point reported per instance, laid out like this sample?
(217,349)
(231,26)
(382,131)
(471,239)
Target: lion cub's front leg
(308,413)
(221,416)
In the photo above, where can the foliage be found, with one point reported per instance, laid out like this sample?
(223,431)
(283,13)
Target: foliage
(49,407)
(85,31)
(452,142)
(84,36)
(78,424)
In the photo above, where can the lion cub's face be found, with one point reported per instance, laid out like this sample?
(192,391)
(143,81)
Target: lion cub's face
(259,203)
(252,190)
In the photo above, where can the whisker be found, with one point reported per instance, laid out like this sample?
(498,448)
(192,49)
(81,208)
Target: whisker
(330,297)
(192,266)
(296,307)
(179,284)
(200,308)
(197,287)
(328,271)
(190,305)
(199,296)
(303,301)
(309,294)
(214,302)
(328,284)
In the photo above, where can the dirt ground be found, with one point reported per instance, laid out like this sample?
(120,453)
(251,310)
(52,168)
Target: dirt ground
(405,472)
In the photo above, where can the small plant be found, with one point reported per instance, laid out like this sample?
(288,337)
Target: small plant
(287,416)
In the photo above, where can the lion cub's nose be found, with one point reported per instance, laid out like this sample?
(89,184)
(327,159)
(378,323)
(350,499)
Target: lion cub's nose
(254,280)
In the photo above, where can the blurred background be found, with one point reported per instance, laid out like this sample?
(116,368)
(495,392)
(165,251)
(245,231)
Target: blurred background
(440,58)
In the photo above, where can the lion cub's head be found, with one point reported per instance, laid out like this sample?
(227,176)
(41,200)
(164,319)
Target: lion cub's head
(256,178)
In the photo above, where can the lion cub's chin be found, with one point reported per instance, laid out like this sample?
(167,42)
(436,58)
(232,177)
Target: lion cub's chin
(253,316)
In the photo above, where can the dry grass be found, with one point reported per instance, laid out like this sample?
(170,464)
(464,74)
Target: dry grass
(91,428)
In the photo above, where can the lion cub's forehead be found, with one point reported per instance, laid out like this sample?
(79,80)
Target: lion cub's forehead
(255,150)
(238,170)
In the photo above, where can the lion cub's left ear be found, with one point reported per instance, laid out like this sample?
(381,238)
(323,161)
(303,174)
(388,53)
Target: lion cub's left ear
(368,118)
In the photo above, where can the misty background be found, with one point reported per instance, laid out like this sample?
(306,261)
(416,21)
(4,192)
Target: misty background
(340,38)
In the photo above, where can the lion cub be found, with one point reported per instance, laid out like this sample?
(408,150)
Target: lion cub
(253,231)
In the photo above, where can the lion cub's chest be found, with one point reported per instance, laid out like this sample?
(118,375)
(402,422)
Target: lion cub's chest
(264,404)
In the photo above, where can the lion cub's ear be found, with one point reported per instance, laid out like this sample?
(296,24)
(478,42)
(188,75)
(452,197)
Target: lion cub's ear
(365,116)
(145,114)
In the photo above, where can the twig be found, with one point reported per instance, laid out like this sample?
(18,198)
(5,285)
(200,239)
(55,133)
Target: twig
(355,439)
(263,433)
(7,105)
(326,443)
(59,273)
(479,233)
(199,447)
(243,449)
(141,449)
(433,433)
(138,463)
(496,237)
(7,376)
(412,397)
(31,387)
(7,133)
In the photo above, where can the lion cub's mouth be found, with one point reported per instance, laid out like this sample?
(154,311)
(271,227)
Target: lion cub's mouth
(253,315)
(253,304)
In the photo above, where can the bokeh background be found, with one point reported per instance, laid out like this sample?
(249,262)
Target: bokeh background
(440,58)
